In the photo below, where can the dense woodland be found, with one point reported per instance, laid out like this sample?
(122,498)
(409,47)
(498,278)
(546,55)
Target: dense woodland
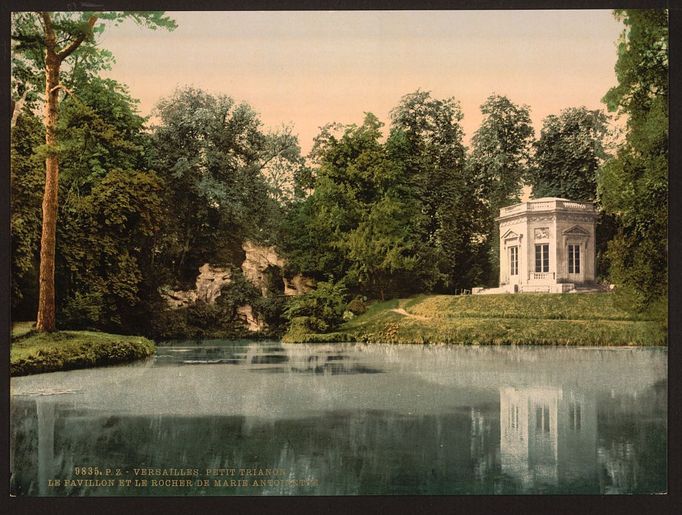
(375,211)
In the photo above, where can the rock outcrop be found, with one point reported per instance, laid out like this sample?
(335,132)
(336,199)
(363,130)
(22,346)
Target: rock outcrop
(253,323)
(211,279)
(298,285)
(208,285)
(258,259)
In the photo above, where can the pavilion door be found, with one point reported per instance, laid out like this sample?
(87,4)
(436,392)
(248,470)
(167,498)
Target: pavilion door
(574,262)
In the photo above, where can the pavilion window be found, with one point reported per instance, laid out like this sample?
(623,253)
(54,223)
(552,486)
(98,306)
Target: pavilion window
(574,259)
(514,260)
(542,257)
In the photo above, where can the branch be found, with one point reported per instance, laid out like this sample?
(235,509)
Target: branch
(76,42)
(63,88)
(17,106)
(50,38)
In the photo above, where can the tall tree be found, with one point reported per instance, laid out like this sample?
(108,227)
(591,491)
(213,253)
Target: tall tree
(359,226)
(633,185)
(568,154)
(499,163)
(435,161)
(55,38)
(224,177)
(501,150)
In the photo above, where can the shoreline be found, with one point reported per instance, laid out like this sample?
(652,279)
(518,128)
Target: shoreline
(37,353)
(584,320)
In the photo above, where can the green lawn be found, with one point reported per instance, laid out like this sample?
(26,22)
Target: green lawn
(524,319)
(33,353)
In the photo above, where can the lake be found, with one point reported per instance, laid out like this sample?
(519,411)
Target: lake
(243,418)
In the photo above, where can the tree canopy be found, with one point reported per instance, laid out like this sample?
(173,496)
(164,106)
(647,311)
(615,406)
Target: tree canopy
(633,185)
(568,154)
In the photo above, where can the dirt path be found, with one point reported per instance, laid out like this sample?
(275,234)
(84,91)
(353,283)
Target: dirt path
(401,311)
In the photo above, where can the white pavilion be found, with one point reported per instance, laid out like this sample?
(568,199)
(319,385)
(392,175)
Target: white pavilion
(546,245)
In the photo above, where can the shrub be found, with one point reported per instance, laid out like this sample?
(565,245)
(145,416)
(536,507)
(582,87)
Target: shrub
(83,310)
(322,308)
(358,305)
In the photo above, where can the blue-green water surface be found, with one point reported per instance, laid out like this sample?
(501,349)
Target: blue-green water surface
(244,418)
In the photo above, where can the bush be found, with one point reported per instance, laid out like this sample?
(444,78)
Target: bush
(321,309)
(82,311)
(358,305)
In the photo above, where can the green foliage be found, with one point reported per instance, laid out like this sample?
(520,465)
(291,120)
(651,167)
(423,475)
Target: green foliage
(501,151)
(499,162)
(86,62)
(320,310)
(358,305)
(389,218)
(383,250)
(214,157)
(27,179)
(434,160)
(109,212)
(633,185)
(99,129)
(106,241)
(568,154)
(238,292)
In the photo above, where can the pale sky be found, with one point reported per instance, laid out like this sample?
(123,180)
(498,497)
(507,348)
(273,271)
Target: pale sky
(307,69)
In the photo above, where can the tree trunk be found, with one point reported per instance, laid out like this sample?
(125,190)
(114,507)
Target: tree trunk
(45,320)
(46,294)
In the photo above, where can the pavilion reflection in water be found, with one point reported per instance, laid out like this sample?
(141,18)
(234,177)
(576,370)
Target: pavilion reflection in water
(547,435)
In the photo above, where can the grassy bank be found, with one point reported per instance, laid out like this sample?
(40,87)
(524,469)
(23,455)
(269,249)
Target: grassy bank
(33,353)
(530,319)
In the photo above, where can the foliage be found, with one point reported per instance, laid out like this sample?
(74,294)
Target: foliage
(26,183)
(213,156)
(499,162)
(320,310)
(238,292)
(434,160)
(568,154)
(358,224)
(87,61)
(118,218)
(110,211)
(500,151)
(358,305)
(633,185)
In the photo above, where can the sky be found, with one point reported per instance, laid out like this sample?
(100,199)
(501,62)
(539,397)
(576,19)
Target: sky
(307,69)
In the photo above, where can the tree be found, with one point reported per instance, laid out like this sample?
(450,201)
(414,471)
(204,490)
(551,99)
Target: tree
(346,159)
(568,154)
(110,211)
(224,178)
(54,38)
(499,162)
(435,162)
(633,185)
(27,178)
(500,151)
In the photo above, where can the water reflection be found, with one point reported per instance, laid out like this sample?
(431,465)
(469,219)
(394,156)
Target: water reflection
(358,419)
(548,435)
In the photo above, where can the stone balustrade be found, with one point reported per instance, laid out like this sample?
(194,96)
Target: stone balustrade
(547,205)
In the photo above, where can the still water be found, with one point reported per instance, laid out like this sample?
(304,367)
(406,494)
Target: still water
(243,418)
